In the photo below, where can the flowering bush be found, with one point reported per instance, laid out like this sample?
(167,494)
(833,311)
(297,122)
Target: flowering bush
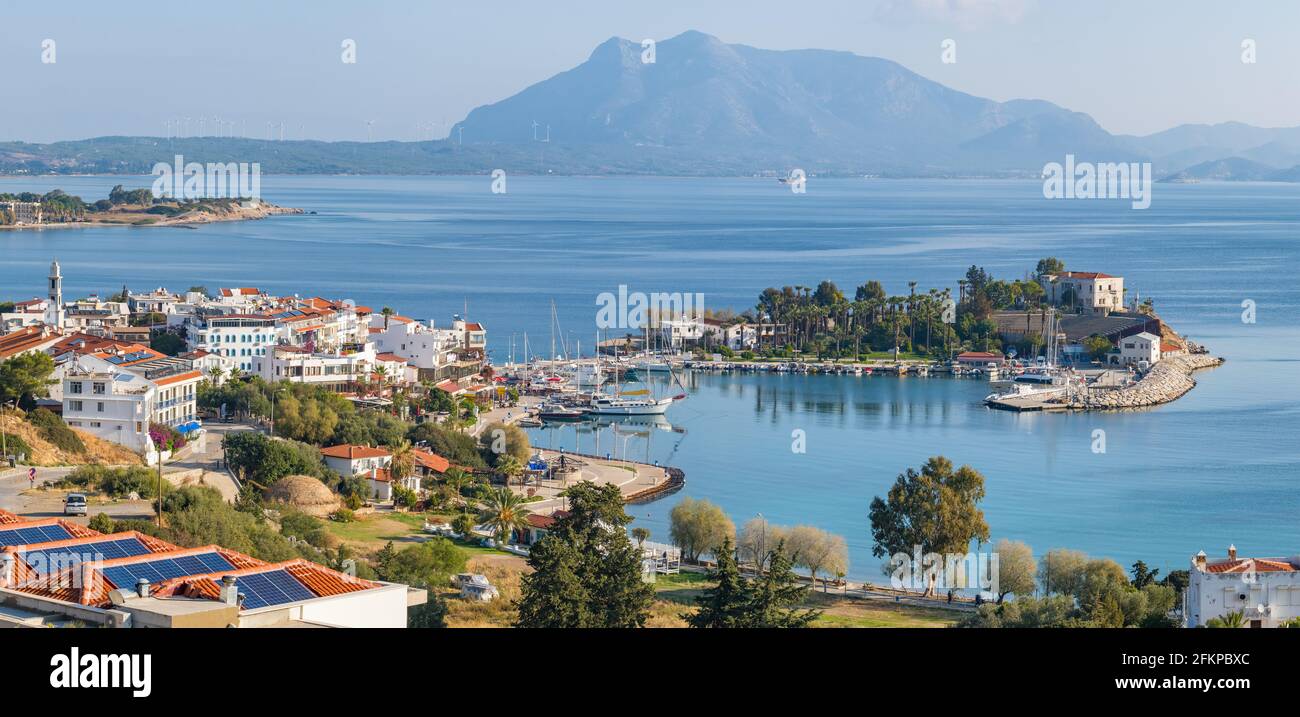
(166,438)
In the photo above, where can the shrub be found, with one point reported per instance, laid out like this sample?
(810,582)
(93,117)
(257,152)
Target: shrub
(343,515)
(53,429)
(166,438)
(116,482)
(102,522)
(17,446)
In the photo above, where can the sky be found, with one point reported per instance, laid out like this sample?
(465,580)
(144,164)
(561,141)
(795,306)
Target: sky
(134,68)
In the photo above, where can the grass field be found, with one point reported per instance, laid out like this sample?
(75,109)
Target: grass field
(372,531)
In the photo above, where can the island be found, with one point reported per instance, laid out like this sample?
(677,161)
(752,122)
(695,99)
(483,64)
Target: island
(127,207)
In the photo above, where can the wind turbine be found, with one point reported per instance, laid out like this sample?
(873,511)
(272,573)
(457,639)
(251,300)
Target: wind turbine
(535,126)
(186,127)
(281,130)
(369,133)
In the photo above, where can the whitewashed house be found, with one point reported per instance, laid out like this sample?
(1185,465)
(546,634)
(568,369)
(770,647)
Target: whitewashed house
(1265,590)
(1135,349)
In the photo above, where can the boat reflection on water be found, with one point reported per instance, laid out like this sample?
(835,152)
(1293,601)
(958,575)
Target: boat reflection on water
(613,437)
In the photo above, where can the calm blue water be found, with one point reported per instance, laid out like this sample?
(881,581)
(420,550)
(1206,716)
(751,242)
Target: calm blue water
(1219,466)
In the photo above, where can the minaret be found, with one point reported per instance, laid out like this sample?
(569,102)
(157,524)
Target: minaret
(54,312)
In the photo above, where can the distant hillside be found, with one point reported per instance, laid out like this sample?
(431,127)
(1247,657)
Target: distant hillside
(1232,169)
(705,107)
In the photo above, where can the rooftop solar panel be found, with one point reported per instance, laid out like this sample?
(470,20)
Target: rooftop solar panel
(155,571)
(276,587)
(48,561)
(33,535)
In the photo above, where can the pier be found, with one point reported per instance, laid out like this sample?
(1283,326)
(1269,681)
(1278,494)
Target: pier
(1164,382)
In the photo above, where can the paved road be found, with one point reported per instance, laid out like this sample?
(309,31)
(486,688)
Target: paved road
(16,497)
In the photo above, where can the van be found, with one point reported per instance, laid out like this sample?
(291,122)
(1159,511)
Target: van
(74,504)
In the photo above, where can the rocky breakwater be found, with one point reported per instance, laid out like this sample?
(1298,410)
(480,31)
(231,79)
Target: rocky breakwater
(1166,381)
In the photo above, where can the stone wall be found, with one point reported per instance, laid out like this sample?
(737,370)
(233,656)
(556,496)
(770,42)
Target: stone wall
(1166,381)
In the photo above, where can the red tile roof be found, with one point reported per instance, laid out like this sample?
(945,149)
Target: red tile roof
(178,378)
(76,531)
(94,591)
(430,460)
(353,453)
(1246,565)
(319,580)
(389,357)
(6,518)
(473,327)
(1084,275)
(23,340)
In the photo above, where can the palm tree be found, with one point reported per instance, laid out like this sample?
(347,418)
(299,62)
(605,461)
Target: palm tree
(217,373)
(457,479)
(1233,619)
(403,463)
(387,311)
(504,512)
(509,466)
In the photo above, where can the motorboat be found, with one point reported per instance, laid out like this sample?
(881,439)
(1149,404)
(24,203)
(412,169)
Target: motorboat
(559,412)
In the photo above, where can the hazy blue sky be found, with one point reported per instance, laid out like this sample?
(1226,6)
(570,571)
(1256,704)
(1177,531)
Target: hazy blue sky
(123,68)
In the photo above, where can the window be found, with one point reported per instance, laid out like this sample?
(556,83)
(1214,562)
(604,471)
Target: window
(100,407)
(74,387)
(94,424)
(97,388)
(74,405)
(74,423)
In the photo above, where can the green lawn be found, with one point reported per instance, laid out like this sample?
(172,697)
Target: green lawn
(371,532)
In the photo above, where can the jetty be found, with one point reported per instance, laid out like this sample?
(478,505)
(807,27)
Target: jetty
(1166,381)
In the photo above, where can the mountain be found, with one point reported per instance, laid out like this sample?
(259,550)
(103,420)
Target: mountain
(813,108)
(1231,169)
(705,107)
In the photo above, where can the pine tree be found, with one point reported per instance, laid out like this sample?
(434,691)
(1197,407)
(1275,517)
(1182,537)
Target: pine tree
(586,572)
(384,560)
(774,594)
(726,604)
(553,594)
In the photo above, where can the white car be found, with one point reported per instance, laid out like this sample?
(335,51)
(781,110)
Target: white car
(74,504)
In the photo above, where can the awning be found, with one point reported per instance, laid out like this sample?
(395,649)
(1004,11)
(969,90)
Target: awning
(190,427)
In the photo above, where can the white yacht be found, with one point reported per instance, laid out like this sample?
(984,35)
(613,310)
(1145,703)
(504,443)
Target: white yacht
(628,406)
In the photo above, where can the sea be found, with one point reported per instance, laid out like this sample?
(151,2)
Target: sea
(1220,261)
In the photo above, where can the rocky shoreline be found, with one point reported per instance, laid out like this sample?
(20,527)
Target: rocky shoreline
(1166,381)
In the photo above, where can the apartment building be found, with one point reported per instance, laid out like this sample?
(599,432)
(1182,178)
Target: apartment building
(119,394)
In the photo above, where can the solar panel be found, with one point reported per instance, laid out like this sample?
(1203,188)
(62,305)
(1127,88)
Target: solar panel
(47,561)
(33,535)
(155,571)
(276,587)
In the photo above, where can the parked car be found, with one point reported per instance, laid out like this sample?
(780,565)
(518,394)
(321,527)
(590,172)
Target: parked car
(74,504)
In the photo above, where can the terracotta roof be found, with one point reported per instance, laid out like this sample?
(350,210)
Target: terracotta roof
(1084,275)
(978,355)
(540,521)
(1258,565)
(473,327)
(241,291)
(6,518)
(430,460)
(178,378)
(1167,347)
(23,340)
(319,580)
(353,453)
(154,545)
(76,531)
(389,357)
(71,588)
(86,343)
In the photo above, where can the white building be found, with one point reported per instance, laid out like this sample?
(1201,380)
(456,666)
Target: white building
(1135,349)
(238,337)
(1265,590)
(350,460)
(118,396)
(160,585)
(1100,293)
